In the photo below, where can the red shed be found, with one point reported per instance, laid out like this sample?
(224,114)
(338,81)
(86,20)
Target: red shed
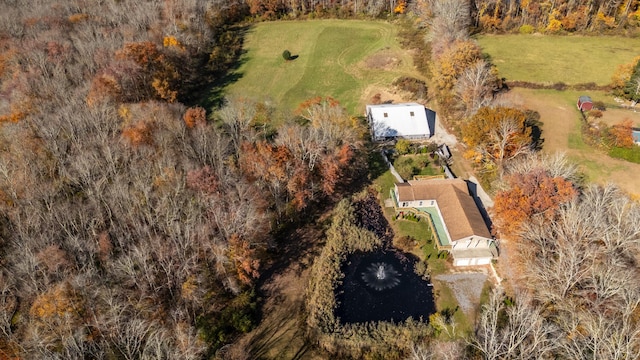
(585,103)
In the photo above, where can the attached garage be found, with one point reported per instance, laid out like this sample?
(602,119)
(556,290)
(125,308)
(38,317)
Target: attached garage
(471,261)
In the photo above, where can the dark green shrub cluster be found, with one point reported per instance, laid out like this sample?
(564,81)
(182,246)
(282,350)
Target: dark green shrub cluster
(239,316)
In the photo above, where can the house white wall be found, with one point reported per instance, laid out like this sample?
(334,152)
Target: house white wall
(471,261)
(472,242)
(416,204)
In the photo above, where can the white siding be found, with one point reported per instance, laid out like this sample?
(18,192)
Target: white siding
(472,261)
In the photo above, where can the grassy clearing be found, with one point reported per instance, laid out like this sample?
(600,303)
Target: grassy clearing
(338,58)
(561,131)
(551,59)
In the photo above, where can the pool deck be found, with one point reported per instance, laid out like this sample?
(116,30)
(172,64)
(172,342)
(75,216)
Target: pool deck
(436,220)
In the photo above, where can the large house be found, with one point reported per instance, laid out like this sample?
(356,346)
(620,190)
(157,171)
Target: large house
(454,217)
(408,121)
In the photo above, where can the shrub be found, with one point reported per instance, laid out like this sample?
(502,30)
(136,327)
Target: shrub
(406,243)
(286,55)
(403,146)
(416,87)
(422,270)
(406,167)
(526,29)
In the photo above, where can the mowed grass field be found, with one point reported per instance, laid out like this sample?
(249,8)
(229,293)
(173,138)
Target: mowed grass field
(551,59)
(338,58)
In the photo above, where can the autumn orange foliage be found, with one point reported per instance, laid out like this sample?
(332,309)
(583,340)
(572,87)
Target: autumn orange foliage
(530,194)
(400,7)
(19,110)
(155,65)
(103,87)
(245,259)
(203,180)
(316,101)
(59,301)
(621,134)
(139,134)
(195,116)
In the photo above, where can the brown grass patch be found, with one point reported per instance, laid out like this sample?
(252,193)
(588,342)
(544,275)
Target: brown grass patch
(383,60)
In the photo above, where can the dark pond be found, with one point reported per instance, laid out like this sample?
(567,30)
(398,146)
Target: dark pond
(382,286)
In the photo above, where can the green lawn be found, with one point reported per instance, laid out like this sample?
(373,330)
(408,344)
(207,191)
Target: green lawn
(338,58)
(551,59)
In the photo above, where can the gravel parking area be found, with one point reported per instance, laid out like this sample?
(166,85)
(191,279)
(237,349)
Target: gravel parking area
(466,287)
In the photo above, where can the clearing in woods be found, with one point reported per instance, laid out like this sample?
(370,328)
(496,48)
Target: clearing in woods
(349,60)
(561,132)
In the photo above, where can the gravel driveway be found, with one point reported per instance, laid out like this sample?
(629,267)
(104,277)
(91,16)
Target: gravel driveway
(466,287)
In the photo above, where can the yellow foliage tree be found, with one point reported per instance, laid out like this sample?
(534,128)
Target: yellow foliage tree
(623,74)
(171,41)
(59,302)
(401,7)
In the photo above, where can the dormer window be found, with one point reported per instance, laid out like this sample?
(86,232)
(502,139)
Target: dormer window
(386,115)
(411,113)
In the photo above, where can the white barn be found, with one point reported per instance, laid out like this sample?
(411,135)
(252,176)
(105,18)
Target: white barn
(407,121)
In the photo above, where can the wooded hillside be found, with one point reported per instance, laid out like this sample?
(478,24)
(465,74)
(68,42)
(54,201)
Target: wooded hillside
(133,226)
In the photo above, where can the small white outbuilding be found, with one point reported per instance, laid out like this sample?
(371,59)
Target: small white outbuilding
(406,121)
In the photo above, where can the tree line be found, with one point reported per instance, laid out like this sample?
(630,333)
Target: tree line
(600,16)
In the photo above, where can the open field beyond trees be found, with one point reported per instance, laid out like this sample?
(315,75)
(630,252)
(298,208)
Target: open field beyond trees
(552,59)
(345,59)
(561,132)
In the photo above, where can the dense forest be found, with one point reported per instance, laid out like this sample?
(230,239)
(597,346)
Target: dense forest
(134,226)
(137,211)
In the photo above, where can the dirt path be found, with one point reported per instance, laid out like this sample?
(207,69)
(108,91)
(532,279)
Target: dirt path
(280,333)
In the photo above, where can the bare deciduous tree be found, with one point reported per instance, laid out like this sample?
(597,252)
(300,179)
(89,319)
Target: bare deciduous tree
(476,87)
(525,334)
